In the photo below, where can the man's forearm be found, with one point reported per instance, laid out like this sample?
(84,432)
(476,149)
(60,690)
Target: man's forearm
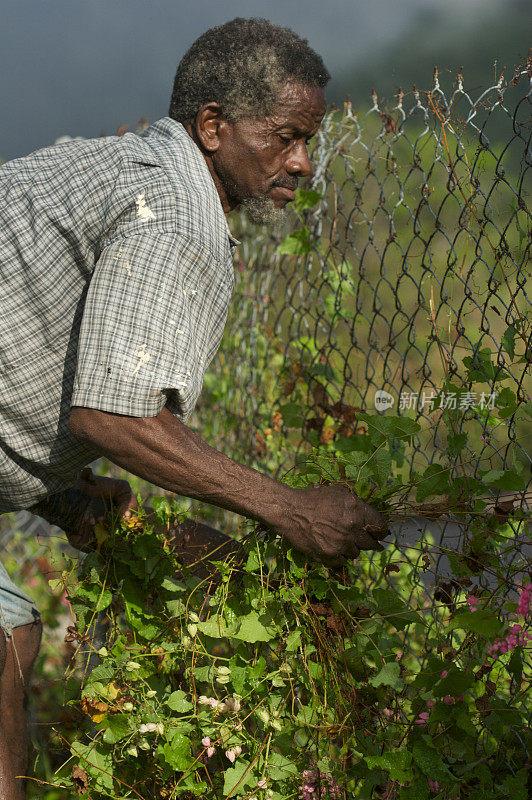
(166,453)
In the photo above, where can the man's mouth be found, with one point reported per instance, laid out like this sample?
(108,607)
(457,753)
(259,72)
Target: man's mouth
(285,190)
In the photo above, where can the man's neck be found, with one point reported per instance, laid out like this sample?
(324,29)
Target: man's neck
(226,204)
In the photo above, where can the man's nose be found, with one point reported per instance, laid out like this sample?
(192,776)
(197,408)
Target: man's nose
(298,162)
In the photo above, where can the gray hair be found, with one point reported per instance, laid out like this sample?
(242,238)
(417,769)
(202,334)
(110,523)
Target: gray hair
(242,65)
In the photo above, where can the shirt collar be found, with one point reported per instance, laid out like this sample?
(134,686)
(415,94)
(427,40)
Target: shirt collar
(172,129)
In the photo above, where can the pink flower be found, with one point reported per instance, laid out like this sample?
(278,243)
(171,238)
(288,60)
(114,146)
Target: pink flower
(472,602)
(328,787)
(206,742)
(231,755)
(423,718)
(448,700)
(430,703)
(515,636)
(523,606)
(444,673)
(434,786)
(262,784)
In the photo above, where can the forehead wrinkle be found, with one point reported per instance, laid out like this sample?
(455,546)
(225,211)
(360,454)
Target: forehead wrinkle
(295,121)
(296,101)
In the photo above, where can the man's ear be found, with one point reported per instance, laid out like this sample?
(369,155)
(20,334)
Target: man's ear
(207,126)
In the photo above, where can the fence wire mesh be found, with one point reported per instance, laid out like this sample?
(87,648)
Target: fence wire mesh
(416,257)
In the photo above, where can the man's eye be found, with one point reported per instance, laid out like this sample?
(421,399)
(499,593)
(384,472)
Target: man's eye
(285,137)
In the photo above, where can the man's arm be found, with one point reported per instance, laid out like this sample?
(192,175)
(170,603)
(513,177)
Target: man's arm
(327,522)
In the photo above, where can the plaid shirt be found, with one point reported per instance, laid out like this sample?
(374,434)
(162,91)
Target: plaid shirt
(116,275)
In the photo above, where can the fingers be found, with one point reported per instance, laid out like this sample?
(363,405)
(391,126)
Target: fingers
(125,500)
(333,563)
(110,491)
(375,524)
(366,542)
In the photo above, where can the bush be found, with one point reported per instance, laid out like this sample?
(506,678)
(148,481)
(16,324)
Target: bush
(272,676)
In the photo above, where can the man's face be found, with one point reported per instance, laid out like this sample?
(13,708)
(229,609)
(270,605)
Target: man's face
(259,161)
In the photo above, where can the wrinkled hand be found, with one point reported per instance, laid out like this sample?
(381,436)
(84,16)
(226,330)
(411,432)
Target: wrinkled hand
(104,493)
(331,523)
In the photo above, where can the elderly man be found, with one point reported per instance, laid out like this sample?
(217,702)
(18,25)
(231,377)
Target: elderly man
(116,264)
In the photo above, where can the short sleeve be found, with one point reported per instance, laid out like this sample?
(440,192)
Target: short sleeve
(153,319)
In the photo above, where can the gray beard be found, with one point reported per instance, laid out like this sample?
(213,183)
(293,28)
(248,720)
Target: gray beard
(262,211)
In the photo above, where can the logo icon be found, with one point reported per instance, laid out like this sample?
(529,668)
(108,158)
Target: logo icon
(383,400)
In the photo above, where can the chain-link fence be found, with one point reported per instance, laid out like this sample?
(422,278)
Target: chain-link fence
(416,257)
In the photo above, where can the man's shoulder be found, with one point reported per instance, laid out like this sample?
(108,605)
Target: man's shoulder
(199,213)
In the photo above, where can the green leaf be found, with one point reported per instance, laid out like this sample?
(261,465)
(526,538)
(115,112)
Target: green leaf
(175,607)
(204,674)
(390,426)
(502,718)
(504,479)
(306,198)
(178,702)
(293,641)
(456,443)
(395,763)
(515,786)
(291,414)
(297,243)
(354,662)
(251,629)
(97,763)
(430,761)
(433,482)
(161,506)
(515,665)
(380,465)
(463,720)
(456,682)
(103,672)
(98,598)
(133,596)
(388,676)
(239,676)
(177,752)
(253,563)
(394,610)
(280,767)
(480,367)
(418,789)
(353,461)
(214,627)
(115,727)
(234,784)
(508,341)
(146,629)
(482,622)
(173,585)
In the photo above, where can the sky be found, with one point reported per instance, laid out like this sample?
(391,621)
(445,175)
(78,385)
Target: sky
(86,67)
